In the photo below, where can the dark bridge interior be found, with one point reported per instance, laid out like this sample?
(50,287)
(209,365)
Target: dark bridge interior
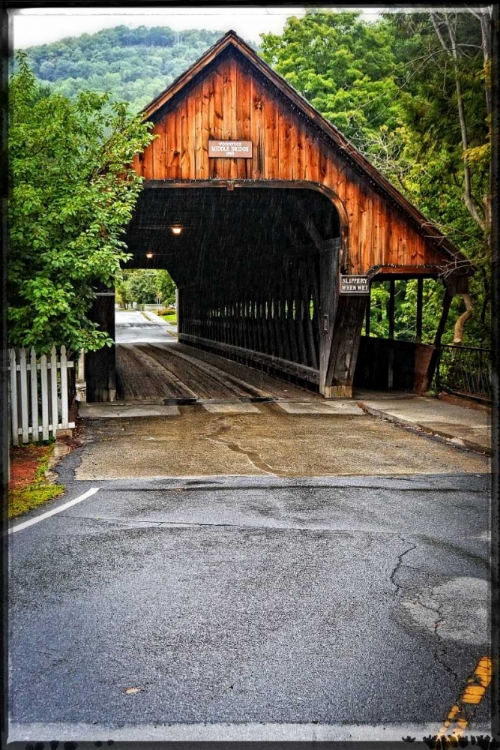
(255,268)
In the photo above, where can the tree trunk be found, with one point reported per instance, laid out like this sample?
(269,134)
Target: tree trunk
(458,332)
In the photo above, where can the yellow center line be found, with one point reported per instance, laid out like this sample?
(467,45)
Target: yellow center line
(461,713)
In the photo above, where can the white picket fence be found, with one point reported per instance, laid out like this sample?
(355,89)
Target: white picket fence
(38,394)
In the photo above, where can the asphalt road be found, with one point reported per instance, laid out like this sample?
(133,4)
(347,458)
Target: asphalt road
(133,326)
(353,606)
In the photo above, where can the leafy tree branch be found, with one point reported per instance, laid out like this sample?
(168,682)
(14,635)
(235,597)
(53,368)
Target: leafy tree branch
(72,191)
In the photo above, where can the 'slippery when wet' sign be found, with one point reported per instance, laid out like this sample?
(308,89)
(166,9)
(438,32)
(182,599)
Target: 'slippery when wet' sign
(354,285)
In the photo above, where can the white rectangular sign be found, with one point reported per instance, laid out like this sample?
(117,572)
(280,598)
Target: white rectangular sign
(230,149)
(354,285)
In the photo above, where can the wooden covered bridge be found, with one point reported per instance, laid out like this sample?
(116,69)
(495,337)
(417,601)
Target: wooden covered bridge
(273,226)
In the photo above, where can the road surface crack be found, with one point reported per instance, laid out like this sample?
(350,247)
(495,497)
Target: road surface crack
(255,458)
(399,562)
(156,524)
(441,650)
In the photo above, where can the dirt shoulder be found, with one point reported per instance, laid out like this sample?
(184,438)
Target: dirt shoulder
(32,481)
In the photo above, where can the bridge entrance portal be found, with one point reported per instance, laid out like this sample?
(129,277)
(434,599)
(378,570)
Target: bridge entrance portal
(257,269)
(273,226)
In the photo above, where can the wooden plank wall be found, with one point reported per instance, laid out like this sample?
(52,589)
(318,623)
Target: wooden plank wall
(272,320)
(231,103)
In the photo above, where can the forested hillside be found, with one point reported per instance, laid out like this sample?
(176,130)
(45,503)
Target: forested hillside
(134,64)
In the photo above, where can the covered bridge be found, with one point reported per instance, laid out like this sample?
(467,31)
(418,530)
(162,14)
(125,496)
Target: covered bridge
(271,224)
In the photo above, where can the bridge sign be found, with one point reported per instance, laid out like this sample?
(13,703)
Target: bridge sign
(354,285)
(230,149)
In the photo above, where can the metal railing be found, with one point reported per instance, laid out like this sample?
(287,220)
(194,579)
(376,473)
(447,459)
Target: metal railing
(465,371)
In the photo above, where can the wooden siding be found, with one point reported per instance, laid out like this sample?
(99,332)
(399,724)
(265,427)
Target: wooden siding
(231,103)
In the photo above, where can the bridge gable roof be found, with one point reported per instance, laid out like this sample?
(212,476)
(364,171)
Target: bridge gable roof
(232,44)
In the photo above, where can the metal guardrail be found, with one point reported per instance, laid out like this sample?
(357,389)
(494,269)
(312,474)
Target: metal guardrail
(465,371)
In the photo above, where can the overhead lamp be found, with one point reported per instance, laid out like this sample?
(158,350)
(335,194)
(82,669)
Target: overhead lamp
(176,229)
(149,255)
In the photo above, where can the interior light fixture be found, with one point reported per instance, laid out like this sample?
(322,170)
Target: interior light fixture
(149,255)
(176,229)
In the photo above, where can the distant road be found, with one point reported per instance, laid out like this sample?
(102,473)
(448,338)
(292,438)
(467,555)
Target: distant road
(133,327)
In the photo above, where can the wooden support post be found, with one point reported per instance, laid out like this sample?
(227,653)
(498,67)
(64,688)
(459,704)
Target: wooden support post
(100,366)
(328,299)
(427,379)
(390,367)
(390,313)
(345,346)
(368,314)
(444,317)
(178,309)
(420,300)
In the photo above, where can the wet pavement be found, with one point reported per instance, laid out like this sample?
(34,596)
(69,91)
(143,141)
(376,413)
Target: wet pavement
(250,607)
(460,424)
(194,441)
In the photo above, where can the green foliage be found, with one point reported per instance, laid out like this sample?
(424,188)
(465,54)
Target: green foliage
(405,310)
(134,65)
(72,193)
(429,94)
(433,141)
(166,287)
(437,164)
(145,286)
(343,66)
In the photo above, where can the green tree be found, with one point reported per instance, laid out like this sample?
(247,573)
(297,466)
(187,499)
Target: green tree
(444,62)
(122,292)
(144,286)
(72,193)
(405,307)
(343,66)
(166,287)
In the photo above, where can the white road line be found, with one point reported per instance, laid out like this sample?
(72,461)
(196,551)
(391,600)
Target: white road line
(228,732)
(31,522)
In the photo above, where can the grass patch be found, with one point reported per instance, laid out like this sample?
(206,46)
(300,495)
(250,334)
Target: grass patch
(29,486)
(170,318)
(21,501)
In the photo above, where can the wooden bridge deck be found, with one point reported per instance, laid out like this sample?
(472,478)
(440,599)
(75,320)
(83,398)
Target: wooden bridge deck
(176,373)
